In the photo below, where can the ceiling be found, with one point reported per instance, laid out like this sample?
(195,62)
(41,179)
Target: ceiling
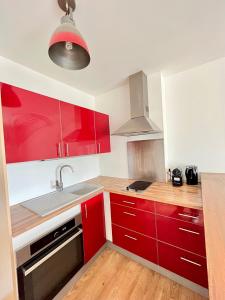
(124,36)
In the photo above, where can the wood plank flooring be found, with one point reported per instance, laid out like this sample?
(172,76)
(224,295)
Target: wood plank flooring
(116,277)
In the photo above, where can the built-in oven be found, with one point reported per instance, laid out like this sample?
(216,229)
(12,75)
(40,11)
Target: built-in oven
(47,264)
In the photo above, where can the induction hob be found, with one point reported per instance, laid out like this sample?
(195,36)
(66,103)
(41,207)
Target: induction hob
(138,186)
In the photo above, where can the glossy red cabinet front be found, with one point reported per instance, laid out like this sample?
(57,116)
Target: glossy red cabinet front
(93,221)
(183,263)
(186,214)
(37,127)
(133,202)
(102,133)
(140,225)
(181,234)
(135,243)
(78,130)
(31,125)
(137,220)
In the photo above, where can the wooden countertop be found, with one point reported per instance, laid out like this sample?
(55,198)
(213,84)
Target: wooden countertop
(213,194)
(188,196)
(23,219)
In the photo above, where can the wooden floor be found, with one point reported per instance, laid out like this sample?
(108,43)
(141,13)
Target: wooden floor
(115,277)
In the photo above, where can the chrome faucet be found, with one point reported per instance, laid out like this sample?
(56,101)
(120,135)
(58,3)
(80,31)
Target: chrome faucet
(59,183)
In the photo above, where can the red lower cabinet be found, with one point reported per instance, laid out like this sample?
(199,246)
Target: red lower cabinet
(183,263)
(186,214)
(93,221)
(133,202)
(139,226)
(137,220)
(184,235)
(135,243)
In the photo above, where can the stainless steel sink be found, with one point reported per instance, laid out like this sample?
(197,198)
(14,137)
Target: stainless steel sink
(47,204)
(82,189)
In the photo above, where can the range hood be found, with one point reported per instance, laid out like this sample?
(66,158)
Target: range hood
(139,122)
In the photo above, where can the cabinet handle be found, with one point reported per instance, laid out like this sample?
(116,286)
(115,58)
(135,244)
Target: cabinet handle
(189,231)
(67,150)
(128,202)
(187,216)
(190,261)
(59,150)
(99,148)
(85,206)
(130,237)
(130,214)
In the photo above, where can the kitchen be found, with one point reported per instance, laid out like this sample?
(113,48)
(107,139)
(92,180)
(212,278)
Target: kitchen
(66,164)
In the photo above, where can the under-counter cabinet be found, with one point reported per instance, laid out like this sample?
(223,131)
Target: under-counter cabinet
(93,221)
(168,235)
(78,130)
(31,125)
(37,127)
(133,225)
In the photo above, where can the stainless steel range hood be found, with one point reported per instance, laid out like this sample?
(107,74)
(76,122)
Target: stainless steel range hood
(139,122)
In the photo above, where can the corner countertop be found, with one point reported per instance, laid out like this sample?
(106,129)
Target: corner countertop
(188,196)
(213,194)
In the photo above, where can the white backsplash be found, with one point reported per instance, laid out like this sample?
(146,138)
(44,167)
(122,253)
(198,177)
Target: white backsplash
(32,179)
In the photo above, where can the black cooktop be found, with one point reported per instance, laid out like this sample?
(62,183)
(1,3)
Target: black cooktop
(139,185)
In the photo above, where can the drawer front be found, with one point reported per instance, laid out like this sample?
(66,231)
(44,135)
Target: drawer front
(135,243)
(185,235)
(133,219)
(183,263)
(134,202)
(191,215)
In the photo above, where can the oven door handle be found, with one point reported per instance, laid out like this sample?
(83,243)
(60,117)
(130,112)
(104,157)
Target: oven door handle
(40,262)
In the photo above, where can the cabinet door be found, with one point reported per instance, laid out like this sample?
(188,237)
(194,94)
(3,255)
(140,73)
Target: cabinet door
(78,130)
(93,220)
(102,133)
(187,236)
(31,125)
(134,219)
(134,242)
(183,263)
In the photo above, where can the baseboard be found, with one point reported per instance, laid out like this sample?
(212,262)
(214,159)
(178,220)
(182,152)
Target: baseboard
(78,275)
(181,280)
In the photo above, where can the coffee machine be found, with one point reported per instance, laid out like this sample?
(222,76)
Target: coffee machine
(177,177)
(191,175)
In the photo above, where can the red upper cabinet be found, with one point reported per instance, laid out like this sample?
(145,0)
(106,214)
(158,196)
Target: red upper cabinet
(93,221)
(37,127)
(102,133)
(31,125)
(78,130)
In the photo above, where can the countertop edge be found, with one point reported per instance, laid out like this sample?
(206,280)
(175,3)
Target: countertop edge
(213,195)
(27,223)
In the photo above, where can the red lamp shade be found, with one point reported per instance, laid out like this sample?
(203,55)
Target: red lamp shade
(67,47)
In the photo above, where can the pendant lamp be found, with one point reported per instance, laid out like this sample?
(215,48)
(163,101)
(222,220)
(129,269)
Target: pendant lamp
(67,47)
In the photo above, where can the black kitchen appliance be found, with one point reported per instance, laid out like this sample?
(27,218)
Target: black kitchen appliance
(139,186)
(47,264)
(191,175)
(177,177)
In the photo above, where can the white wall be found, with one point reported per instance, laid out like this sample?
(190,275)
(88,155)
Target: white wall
(194,108)
(116,103)
(27,180)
